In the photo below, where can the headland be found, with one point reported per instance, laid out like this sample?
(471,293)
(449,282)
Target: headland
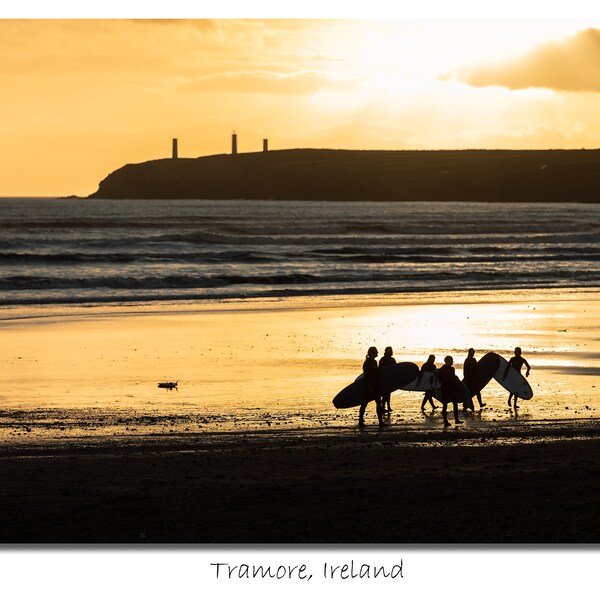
(366,175)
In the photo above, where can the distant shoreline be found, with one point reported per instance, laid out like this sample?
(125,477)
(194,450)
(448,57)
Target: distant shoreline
(506,176)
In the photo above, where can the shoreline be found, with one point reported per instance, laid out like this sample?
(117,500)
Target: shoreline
(293,302)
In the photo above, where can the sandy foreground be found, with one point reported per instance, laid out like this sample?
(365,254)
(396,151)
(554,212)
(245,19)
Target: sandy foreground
(251,450)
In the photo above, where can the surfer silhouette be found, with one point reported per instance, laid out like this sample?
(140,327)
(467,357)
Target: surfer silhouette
(386,360)
(371,389)
(427,367)
(447,377)
(517,361)
(470,374)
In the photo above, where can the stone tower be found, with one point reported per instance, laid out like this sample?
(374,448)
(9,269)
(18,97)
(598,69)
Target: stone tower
(234,144)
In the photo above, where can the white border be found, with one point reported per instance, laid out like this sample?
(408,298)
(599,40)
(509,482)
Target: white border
(373,9)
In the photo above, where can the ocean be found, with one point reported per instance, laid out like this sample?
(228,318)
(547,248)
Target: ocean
(96,252)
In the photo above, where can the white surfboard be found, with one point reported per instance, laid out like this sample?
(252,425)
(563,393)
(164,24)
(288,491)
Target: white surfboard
(510,379)
(425,382)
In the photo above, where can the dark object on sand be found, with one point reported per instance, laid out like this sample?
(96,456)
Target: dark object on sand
(168,385)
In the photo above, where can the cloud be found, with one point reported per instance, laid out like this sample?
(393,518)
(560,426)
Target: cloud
(267,82)
(572,65)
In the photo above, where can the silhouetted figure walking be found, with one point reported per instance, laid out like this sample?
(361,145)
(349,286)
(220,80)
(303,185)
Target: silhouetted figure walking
(427,367)
(470,374)
(517,361)
(447,377)
(385,361)
(371,389)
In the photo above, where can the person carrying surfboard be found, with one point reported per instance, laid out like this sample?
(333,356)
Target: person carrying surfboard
(447,376)
(371,388)
(517,361)
(470,374)
(386,360)
(428,367)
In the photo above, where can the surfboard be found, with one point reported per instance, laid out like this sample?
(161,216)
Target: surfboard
(390,378)
(461,393)
(424,382)
(487,367)
(510,379)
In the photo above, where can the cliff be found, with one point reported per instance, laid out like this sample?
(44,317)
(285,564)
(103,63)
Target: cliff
(453,175)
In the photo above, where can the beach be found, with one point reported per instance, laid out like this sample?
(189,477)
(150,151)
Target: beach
(250,449)
(520,486)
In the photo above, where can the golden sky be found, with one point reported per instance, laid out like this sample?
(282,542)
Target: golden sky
(81,98)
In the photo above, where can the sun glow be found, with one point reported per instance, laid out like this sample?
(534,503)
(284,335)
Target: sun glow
(399,55)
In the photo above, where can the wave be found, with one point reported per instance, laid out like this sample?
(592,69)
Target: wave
(368,228)
(333,276)
(492,252)
(435,238)
(16,283)
(135,256)
(463,257)
(282,223)
(343,254)
(132,297)
(102,222)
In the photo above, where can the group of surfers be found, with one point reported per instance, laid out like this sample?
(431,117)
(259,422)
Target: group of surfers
(445,374)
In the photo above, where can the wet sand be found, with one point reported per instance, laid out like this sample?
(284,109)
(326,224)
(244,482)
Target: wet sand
(250,449)
(511,485)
